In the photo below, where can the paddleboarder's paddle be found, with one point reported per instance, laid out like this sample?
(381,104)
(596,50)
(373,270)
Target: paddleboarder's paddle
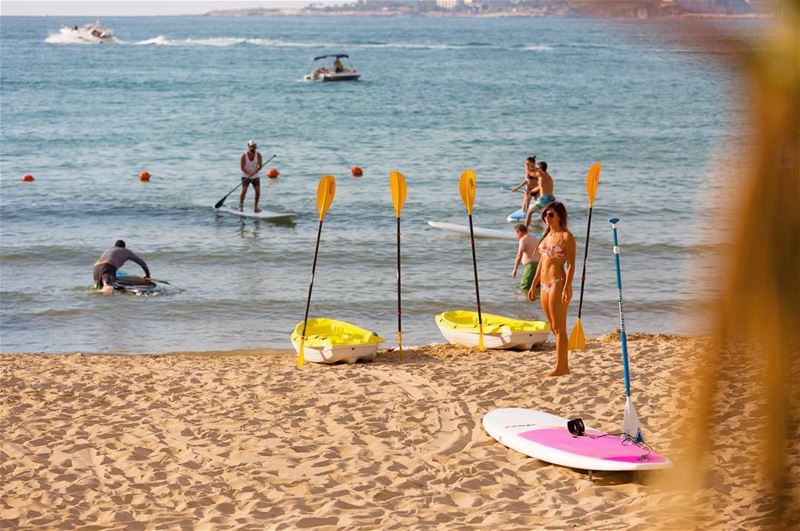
(397,182)
(326,189)
(466,186)
(630,422)
(164,282)
(222,201)
(577,341)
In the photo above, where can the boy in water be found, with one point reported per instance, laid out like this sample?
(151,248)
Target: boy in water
(527,254)
(530,182)
(545,191)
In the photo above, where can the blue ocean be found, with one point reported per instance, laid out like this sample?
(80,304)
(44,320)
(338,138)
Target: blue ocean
(179,97)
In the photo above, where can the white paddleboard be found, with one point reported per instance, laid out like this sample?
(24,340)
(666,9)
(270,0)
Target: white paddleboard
(517,216)
(478,231)
(264,214)
(545,436)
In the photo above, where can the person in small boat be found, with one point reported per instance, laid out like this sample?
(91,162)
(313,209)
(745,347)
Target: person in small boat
(105,269)
(527,255)
(544,192)
(557,250)
(530,182)
(250,164)
(338,67)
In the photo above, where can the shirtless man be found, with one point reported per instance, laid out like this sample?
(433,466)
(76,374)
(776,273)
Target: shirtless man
(105,269)
(250,164)
(527,255)
(545,190)
(530,182)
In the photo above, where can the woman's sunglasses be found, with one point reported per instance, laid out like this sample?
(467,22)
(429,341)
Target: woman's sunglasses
(549,214)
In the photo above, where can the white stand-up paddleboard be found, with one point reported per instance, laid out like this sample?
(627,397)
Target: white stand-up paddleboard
(264,214)
(545,436)
(517,216)
(478,231)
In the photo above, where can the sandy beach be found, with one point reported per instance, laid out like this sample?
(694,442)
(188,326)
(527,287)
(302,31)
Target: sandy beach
(245,440)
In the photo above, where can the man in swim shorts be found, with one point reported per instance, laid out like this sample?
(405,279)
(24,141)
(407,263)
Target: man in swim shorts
(105,269)
(545,189)
(527,254)
(250,163)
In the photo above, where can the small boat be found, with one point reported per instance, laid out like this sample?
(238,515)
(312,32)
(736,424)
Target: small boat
(92,32)
(329,341)
(460,327)
(337,72)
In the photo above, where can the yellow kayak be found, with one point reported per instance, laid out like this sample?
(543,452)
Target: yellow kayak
(329,341)
(460,327)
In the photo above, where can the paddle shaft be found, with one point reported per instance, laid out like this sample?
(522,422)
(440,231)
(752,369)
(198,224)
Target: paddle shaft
(399,307)
(311,284)
(622,336)
(475,269)
(264,163)
(585,256)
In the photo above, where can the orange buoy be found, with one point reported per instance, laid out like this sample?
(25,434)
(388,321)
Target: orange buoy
(273,173)
(144,176)
(27,178)
(356,171)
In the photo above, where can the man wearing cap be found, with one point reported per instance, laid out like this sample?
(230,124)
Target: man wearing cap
(251,164)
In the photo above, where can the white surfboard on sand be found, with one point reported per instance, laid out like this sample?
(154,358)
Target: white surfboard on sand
(478,231)
(264,214)
(545,436)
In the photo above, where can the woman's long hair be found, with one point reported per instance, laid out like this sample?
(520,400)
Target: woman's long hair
(559,209)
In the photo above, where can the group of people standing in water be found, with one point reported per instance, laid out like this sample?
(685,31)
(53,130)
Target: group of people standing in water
(549,263)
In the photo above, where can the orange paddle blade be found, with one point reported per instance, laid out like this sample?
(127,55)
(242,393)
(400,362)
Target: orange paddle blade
(577,341)
(397,182)
(326,189)
(592,178)
(466,186)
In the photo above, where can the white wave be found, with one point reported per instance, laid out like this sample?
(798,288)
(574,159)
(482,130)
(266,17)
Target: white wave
(63,38)
(537,48)
(158,41)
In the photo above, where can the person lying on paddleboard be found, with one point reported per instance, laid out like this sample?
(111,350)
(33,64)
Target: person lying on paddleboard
(557,250)
(545,193)
(527,254)
(105,269)
(250,164)
(530,182)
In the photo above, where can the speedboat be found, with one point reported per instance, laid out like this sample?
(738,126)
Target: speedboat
(461,327)
(329,341)
(92,32)
(337,72)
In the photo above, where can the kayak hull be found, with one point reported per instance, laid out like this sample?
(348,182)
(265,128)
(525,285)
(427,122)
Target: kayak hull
(460,327)
(332,341)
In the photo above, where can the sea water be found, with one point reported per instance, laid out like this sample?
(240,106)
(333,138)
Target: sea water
(180,96)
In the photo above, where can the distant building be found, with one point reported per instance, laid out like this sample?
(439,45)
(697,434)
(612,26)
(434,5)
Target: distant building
(447,4)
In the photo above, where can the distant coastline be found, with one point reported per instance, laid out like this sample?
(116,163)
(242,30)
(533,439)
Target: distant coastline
(628,9)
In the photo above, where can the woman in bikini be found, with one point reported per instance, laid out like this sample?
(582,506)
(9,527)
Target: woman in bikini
(557,250)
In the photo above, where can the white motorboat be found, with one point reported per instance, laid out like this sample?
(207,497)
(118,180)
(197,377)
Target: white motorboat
(92,32)
(337,71)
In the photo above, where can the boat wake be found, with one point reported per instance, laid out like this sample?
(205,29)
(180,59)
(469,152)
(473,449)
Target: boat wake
(161,40)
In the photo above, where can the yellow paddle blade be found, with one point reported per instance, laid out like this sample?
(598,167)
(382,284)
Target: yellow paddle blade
(301,355)
(592,178)
(466,186)
(397,182)
(576,339)
(481,347)
(326,189)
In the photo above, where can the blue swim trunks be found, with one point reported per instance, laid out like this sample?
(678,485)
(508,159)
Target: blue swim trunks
(541,202)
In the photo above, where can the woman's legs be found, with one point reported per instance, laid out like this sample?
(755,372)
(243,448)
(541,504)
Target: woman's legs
(557,315)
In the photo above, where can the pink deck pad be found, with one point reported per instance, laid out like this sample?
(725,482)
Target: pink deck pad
(609,448)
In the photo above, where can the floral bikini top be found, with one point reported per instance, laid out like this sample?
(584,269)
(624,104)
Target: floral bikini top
(552,251)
